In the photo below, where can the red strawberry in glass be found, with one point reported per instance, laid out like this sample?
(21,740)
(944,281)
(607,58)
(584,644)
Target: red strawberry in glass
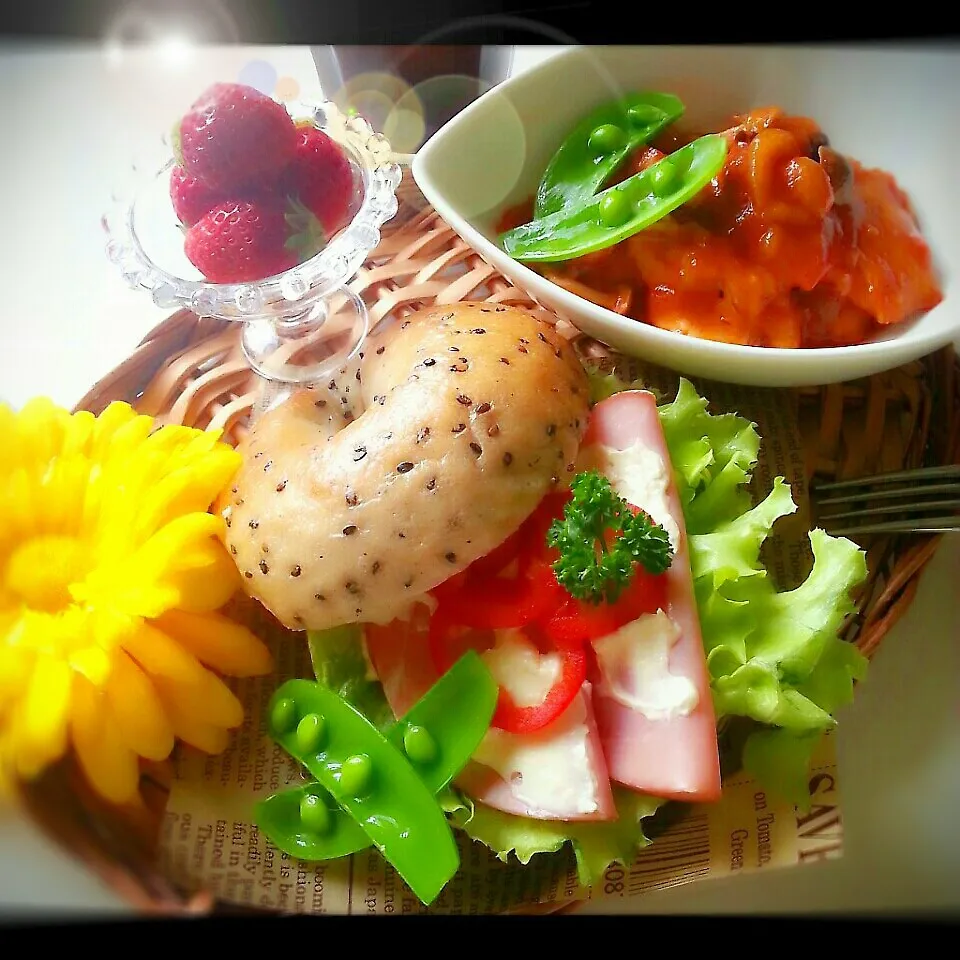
(243,241)
(234,135)
(322,178)
(191,198)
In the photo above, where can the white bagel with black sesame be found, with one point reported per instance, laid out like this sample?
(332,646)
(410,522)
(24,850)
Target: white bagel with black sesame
(468,415)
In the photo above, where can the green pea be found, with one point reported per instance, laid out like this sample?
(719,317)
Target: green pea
(642,114)
(606,137)
(310,731)
(355,775)
(315,815)
(284,714)
(580,229)
(419,745)
(614,209)
(597,146)
(664,174)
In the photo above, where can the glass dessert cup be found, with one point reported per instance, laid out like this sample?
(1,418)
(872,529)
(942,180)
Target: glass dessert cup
(299,325)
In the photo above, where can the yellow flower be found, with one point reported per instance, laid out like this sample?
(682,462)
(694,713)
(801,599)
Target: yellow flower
(112,571)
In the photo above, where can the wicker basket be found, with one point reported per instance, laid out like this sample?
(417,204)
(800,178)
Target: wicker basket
(191,371)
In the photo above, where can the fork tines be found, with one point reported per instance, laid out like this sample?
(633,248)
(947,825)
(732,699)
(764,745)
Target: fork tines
(917,501)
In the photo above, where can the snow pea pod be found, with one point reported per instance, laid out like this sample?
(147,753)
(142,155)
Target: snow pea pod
(622,210)
(438,735)
(598,145)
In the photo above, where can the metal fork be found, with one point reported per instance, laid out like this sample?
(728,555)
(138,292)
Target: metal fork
(917,501)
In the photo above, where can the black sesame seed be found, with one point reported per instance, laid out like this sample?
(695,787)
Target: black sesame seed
(263,566)
(476,448)
(351,498)
(478,330)
(350,529)
(408,583)
(375,566)
(432,483)
(228,522)
(264,548)
(233,549)
(319,596)
(380,350)
(556,353)
(461,366)
(541,337)
(320,403)
(483,408)
(405,324)
(522,349)
(507,459)
(450,557)
(258,455)
(429,362)
(493,430)
(267,466)
(404,467)
(485,310)
(358,370)
(295,572)
(551,430)
(234,490)
(332,385)
(347,416)
(343,400)
(454,349)
(464,401)
(361,354)
(569,468)
(359,453)
(281,485)
(459,428)
(248,574)
(401,535)
(505,360)
(524,341)
(422,434)
(446,316)
(253,524)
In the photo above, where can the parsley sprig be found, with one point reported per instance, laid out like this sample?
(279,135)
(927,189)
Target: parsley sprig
(601,540)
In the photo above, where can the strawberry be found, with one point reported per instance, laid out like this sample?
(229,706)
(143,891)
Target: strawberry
(191,197)
(233,135)
(241,241)
(321,177)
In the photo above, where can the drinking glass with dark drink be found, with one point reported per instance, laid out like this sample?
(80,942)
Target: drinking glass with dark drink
(409,92)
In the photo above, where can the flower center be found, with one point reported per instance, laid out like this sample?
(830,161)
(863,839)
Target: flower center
(41,571)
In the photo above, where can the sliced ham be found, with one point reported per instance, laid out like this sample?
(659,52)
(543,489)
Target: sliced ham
(558,773)
(670,756)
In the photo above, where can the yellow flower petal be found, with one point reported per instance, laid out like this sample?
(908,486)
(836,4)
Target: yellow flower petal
(218,642)
(108,423)
(108,763)
(160,656)
(203,736)
(78,435)
(138,710)
(94,663)
(209,700)
(45,711)
(189,489)
(206,588)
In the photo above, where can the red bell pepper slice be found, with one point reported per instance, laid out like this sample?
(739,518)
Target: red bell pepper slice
(513,719)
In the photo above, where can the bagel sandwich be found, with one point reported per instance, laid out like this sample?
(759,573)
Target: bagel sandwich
(471,485)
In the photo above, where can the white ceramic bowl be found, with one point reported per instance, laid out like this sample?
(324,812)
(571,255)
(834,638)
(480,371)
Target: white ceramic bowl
(893,108)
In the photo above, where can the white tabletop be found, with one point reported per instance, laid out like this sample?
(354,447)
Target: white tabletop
(72,117)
